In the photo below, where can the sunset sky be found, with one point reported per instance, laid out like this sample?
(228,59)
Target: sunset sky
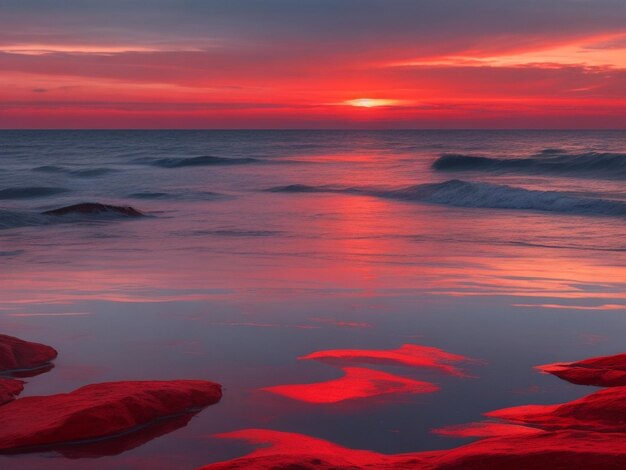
(313,64)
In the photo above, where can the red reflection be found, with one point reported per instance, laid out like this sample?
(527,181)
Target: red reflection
(486,430)
(410,355)
(585,433)
(356,383)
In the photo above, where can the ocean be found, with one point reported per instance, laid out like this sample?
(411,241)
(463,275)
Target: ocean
(257,248)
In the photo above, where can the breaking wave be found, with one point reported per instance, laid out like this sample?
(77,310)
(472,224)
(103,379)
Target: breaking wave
(84,173)
(73,213)
(610,165)
(199,161)
(460,193)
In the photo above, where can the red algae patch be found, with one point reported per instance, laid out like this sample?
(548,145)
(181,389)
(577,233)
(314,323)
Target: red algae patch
(356,383)
(607,371)
(20,355)
(409,355)
(99,411)
(9,389)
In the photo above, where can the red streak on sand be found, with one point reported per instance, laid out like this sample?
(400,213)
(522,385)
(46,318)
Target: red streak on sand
(98,411)
(408,355)
(17,354)
(356,383)
(609,371)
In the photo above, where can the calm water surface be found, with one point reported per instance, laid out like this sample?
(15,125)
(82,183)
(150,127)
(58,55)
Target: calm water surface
(513,265)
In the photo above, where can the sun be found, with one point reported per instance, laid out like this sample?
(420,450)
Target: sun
(369,102)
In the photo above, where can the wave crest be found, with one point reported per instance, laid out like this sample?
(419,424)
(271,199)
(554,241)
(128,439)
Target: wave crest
(459,193)
(206,160)
(610,165)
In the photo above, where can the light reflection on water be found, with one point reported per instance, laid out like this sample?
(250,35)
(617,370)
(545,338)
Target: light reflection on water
(235,289)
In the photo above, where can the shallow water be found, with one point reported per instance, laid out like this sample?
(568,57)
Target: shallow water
(227,281)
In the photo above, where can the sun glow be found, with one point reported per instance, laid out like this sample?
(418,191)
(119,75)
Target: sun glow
(369,102)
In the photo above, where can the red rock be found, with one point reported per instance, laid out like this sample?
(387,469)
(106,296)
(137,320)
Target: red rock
(564,450)
(409,355)
(297,451)
(18,355)
(356,383)
(607,371)
(98,411)
(540,451)
(602,411)
(9,389)
(588,433)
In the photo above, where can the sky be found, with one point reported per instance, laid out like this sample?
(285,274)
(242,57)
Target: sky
(313,64)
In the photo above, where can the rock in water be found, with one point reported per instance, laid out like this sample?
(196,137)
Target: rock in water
(540,451)
(607,371)
(95,208)
(17,354)
(602,411)
(99,411)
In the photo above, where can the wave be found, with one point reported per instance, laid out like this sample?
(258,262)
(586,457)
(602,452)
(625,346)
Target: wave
(201,195)
(30,192)
(76,212)
(200,161)
(238,233)
(92,172)
(301,188)
(85,173)
(50,169)
(95,208)
(610,165)
(459,193)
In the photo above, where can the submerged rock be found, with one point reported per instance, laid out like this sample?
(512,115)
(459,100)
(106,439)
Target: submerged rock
(99,411)
(19,355)
(9,389)
(95,208)
(606,371)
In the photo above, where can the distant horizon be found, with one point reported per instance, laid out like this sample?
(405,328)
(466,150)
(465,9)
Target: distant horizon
(324,64)
(336,129)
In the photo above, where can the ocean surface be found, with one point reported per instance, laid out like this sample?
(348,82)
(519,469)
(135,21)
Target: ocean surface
(260,247)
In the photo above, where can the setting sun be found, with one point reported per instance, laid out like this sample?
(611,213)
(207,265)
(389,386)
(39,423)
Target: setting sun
(369,102)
